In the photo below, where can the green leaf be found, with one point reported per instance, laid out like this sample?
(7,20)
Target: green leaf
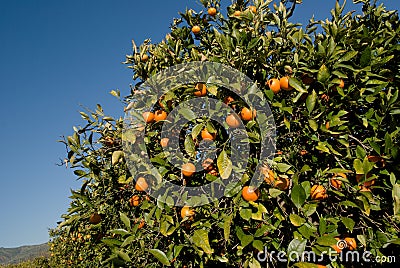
(224,165)
(282,167)
(160,256)
(296,220)
(200,239)
(244,239)
(313,124)
(227,226)
(189,146)
(123,256)
(297,246)
(187,113)
(245,213)
(358,166)
(326,240)
(125,220)
(298,195)
(116,156)
(322,226)
(348,222)
(310,101)
(323,74)
(196,130)
(296,84)
(396,200)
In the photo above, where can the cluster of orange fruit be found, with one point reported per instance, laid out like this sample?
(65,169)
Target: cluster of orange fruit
(212,11)
(159,115)
(277,84)
(250,193)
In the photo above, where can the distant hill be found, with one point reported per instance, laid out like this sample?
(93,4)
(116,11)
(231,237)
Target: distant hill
(16,255)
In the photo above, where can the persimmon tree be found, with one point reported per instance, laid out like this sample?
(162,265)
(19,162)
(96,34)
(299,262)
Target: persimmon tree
(332,88)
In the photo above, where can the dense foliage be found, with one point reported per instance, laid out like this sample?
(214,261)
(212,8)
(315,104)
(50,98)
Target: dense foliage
(335,174)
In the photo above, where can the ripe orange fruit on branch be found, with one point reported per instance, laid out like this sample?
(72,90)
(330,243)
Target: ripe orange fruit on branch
(274,85)
(144,58)
(335,246)
(186,211)
(237,13)
(134,201)
(335,183)
(253,9)
(208,164)
(160,115)
(188,169)
(341,83)
(201,90)
(284,83)
(164,142)
(351,243)
(212,11)
(148,117)
(269,177)
(232,120)
(247,114)
(360,177)
(141,184)
(228,100)
(141,224)
(282,183)
(318,192)
(95,218)
(196,29)
(250,194)
(205,135)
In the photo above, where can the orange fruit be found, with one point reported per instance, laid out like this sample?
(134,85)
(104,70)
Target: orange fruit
(253,9)
(303,152)
(351,243)
(208,164)
(327,125)
(274,85)
(228,100)
(270,177)
(232,120)
(141,184)
(341,83)
(134,201)
(201,90)
(95,218)
(186,211)
(284,83)
(212,11)
(196,29)
(188,169)
(164,142)
(160,115)
(148,117)
(250,194)
(321,266)
(318,192)
(144,58)
(282,184)
(337,184)
(237,13)
(213,172)
(141,224)
(335,246)
(367,184)
(248,114)
(205,135)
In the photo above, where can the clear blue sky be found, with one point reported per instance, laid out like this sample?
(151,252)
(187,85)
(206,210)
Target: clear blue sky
(54,57)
